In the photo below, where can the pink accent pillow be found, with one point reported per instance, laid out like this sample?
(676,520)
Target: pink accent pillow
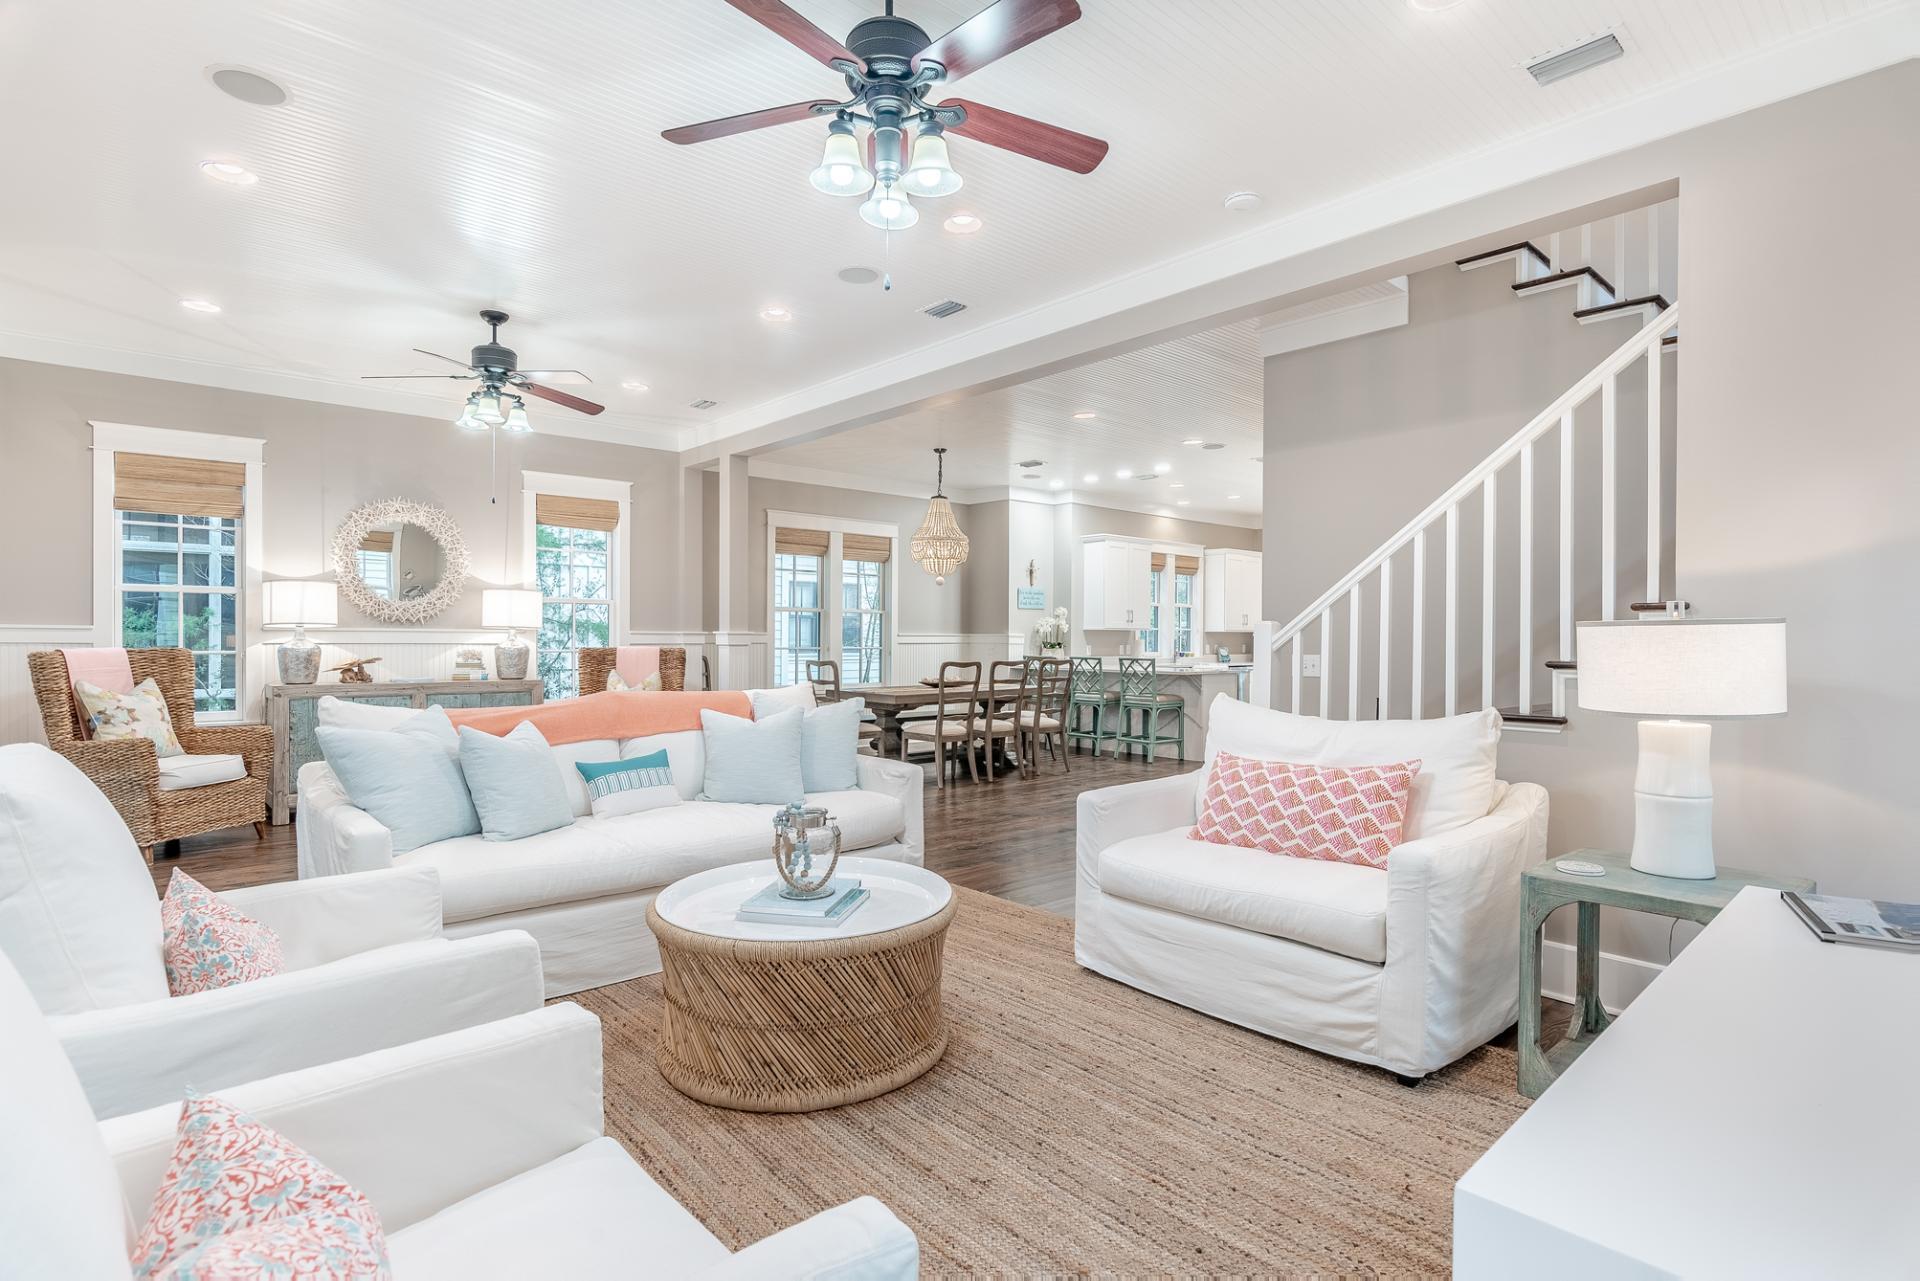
(206,944)
(239,1200)
(1345,813)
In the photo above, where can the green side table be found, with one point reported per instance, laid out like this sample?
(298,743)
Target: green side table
(1545,887)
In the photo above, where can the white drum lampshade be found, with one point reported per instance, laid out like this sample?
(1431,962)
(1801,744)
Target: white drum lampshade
(1683,670)
(287,602)
(511,608)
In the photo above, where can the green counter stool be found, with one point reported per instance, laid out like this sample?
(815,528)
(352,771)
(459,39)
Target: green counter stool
(1140,693)
(1088,689)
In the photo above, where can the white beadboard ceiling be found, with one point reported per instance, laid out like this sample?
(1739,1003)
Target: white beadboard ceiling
(443,155)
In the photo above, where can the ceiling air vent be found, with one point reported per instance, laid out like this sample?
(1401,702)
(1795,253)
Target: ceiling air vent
(1032,463)
(705,404)
(941,310)
(1575,60)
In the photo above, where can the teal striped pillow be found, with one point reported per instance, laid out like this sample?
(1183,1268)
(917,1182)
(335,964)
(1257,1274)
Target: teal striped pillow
(629,786)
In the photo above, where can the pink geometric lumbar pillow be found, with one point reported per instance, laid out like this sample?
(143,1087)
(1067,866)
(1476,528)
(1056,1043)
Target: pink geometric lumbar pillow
(1346,813)
(206,944)
(240,1200)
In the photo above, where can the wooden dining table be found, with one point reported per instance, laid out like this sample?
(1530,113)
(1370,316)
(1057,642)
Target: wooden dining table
(888,702)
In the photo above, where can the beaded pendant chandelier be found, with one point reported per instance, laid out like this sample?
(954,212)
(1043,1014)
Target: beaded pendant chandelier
(938,546)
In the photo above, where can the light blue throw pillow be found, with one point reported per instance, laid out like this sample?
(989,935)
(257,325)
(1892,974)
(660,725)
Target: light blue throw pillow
(829,741)
(515,782)
(405,777)
(753,762)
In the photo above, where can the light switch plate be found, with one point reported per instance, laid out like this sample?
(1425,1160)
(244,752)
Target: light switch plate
(1309,664)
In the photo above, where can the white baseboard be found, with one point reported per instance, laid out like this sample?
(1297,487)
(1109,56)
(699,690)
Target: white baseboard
(1621,977)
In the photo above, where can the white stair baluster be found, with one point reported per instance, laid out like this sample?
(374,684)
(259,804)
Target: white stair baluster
(1489,531)
(1453,607)
(1608,465)
(1293,677)
(1524,600)
(1419,622)
(1620,256)
(1588,291)
(1353,653)
(1386,641)
(1326,659)
(1566,536)
(1654,446)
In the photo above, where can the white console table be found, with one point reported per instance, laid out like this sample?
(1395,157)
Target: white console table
(1752,1114)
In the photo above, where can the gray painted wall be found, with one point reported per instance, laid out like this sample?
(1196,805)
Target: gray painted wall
(321,461)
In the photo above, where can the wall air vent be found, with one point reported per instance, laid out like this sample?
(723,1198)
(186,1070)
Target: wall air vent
(705,404)
(1575,60)
(941,310)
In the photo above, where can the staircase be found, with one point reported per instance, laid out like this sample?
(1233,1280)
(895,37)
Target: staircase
(1400,635)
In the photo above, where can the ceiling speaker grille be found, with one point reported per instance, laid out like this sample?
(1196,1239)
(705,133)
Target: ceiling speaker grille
(941,310)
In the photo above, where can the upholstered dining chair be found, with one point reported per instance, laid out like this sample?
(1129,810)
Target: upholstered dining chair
(958,724)
(595,663)
(824,675)
(1043,721)
(161,799)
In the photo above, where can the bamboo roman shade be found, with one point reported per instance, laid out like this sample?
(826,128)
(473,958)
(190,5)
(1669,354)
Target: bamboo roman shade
(379,540)
(800,542)
(869,547)
(1159,561)
(178,486)
(576,513)
(1188,565)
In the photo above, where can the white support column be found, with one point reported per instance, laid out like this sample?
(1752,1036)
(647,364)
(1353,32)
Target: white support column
(1489,532)
(1654,446)
(1653,249)
(732,658)
(1524,601)
(1608,514)
(1353,653)
(1619,276)
(1419,623)
(1452,674)
(1386,640)
(1566,535)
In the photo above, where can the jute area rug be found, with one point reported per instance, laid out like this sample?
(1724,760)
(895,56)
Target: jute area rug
(1077,1126)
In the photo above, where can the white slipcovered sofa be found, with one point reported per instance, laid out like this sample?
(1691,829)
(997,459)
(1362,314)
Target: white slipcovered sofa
(583,891)
(364,962)
(1407,968)
(482,1151)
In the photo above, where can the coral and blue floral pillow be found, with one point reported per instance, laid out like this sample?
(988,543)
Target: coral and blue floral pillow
(208,945)
(140,714)
(240,1200)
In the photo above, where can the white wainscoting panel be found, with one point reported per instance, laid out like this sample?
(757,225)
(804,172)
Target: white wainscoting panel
(918,655)
(19,714)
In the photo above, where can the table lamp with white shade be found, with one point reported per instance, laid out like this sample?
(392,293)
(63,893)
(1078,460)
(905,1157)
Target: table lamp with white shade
(1678,672)
(511,608)
(287,602)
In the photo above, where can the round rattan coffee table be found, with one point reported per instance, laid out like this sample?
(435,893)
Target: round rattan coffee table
(792,1018)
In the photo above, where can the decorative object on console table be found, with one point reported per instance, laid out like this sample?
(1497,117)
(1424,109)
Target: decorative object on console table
(354,671)
(469,664)
(511,608)
(1546,886)
(1685,669)
(293,715)
(286,602)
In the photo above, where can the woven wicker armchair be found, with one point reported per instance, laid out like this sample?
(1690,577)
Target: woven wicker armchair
(596,663)
(127,770)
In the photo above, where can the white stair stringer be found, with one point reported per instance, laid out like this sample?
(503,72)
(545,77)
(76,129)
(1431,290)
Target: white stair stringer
(1364,632)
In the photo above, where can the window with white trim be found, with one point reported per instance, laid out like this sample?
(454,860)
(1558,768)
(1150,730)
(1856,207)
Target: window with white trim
(830,595)
(575,571)
(179,587)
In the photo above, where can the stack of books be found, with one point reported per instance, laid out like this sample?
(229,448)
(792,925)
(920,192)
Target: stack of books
(470,671)
(770,906)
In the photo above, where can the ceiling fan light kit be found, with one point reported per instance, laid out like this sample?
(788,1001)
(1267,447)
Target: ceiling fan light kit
(497,369)
(890,66)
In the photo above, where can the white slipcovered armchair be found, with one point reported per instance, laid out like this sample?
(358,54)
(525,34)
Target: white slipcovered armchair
(365,965)
(1407,968)
(481,1150)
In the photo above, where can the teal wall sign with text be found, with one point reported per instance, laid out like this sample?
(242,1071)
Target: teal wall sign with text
(1032,597)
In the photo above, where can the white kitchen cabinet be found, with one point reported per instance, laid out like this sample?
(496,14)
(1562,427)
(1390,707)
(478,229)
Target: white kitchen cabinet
(1115,584)
(1232,590)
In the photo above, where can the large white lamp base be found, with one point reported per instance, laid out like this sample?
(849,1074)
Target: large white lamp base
(1673,801)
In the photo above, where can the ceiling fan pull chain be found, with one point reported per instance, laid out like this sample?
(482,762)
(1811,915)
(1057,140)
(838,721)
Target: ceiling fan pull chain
(493,466)
(886,261)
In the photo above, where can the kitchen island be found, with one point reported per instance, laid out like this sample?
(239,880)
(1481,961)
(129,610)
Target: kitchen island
(1197,681)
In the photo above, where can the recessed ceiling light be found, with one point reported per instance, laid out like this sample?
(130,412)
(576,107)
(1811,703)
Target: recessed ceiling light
(1091,478)
(1162,468)
(227,171)
(248,86)
(1242,201)
(1178,484)
(776,314)
(633,384)
(1183,503)
(1125,473)
(859,275)
(200,305)
(1193,440)
(1085,414)
(1233,498)
(963,224)
(1213,444)
(1056,483)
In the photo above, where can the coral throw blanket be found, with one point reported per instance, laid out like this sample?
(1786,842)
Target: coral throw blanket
(615,714)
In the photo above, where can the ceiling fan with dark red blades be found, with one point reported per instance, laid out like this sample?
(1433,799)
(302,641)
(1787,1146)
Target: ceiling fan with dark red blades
(890,66)
(498,371)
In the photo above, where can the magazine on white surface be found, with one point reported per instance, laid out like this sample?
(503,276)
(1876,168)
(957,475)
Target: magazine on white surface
(1871,922)
(769,906)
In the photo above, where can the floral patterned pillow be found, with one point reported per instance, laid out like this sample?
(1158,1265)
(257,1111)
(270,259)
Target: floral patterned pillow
(616,682)
(240,1200)
(206,944)
(141,714)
